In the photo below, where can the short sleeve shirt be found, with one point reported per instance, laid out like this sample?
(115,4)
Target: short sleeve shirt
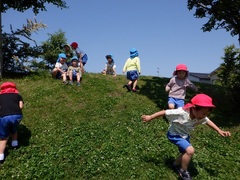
(64,66)
(181,123)
(9,104)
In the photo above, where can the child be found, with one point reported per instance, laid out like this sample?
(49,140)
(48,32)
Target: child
(69,54)
(177,87)
(132,66)
(11,104)
(60,70)
(110,67)
(182,122)
(82,56)
(74,71)
(79,53)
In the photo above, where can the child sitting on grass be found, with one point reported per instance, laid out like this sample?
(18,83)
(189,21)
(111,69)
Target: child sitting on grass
(110,67)
(61,67)
(182,122)
(74,71)
(11,104)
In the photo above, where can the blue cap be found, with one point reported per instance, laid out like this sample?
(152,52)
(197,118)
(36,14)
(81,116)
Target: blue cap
(74,58)
(62,55)
(133,53)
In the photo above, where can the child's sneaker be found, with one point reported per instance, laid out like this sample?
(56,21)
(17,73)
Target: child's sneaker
(71,83)
(134,90)
(127,86)
(185,175)
(65,82)
(78,84)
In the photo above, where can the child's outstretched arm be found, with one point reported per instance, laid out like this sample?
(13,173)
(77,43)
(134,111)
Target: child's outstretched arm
(216,128)
(146,118)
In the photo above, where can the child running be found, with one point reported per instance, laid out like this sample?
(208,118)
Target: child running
(182,122)
(11,104)
(133,69)
(177,87)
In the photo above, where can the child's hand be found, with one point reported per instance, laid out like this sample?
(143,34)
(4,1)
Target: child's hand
(224,133)
(146,118)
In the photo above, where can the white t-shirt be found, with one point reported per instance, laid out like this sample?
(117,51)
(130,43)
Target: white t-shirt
(181,123)
(64,66)
(109,68)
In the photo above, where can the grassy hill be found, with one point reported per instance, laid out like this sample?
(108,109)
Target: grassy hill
(95,132)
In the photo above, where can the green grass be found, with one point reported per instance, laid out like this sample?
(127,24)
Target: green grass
(95,132)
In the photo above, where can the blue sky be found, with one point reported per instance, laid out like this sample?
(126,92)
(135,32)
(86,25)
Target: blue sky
(164,32)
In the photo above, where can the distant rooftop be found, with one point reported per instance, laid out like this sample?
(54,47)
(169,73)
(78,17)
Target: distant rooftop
(200,75)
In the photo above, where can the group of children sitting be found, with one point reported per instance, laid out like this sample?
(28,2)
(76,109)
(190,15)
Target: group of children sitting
(70,64)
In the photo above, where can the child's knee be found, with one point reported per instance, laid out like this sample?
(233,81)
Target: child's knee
(190,150)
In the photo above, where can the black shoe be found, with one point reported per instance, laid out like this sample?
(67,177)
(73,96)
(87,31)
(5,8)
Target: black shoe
(185,175)
(2,161)
(127,86)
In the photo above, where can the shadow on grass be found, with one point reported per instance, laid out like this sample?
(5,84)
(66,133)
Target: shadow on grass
(24,135)
(154,89)
(225,114)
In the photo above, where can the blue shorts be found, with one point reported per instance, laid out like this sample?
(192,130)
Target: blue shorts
(180,142)
(9,124)
(84,59)
(132,75)
(177,102)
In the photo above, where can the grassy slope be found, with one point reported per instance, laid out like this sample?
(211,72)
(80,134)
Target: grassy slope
(95,132)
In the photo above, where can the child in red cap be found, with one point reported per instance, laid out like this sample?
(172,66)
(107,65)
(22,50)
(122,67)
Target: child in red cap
(11,104)
(182,122)
(177,87)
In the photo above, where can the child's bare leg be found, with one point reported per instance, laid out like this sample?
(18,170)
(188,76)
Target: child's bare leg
(78,77)
(70,75)
(171,106)
(54,72)
(186,157)
(64,76)
(3,143)
(130,82)
(135,84)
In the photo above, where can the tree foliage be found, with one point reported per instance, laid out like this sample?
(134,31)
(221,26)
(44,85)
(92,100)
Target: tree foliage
(229,72)
(17,50)
(221,14)
(35,5)
(53,46)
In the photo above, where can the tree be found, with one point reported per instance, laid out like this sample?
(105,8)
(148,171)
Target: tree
(53,46)
(21,6)
(17,52)
(229,72)
(35,5)
(221,14)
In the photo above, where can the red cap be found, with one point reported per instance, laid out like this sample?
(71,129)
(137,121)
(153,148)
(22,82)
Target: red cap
(202,100)
(8,87)
(74,45)
(181,67)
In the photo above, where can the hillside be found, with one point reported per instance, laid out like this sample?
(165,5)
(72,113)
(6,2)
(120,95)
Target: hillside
(95,132)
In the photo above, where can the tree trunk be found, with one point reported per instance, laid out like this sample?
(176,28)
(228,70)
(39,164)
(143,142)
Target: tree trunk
(1,42)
